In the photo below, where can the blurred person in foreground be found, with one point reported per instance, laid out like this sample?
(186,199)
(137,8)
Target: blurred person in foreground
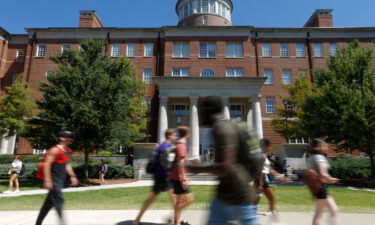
(54,171)
(235,195)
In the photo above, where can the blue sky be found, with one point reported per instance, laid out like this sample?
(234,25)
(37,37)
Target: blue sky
(19,14)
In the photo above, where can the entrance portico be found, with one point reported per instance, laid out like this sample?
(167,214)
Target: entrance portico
(179,97)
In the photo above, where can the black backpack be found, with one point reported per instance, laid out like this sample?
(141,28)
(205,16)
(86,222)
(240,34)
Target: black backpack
(23,168)
(166,159)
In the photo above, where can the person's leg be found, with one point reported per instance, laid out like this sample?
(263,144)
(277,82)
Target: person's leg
(319,210)
(217,214)
(331,204)
(47,205)
(58,201)
(145,206)
(11,180)
(268,192)
(246,214)
(172,196)
(17,183)
(177,209)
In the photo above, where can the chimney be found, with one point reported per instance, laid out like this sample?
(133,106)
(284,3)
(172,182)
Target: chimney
(88,18)
(320,18)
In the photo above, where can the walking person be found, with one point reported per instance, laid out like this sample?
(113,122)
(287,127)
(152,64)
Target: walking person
(179,178)
(15,172)
(235,196)
(56,167)
(102,171)
(161,180)
(318,163)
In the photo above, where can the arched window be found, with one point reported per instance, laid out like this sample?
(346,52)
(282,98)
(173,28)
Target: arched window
(207,73)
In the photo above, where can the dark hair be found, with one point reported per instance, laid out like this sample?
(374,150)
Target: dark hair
(264,143)
(169,132)
(183,131)
(17,157)
(212,104)
(315,146)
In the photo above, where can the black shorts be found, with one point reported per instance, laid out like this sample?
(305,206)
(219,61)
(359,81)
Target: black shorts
(178,189)
(322,194)
(16,172)
(161,185)
(266,180)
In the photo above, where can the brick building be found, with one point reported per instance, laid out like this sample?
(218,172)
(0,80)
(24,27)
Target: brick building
(204,54)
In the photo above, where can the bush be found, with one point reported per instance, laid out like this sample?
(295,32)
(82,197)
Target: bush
(114,171)
(8,159)
(350,167)
(104,153)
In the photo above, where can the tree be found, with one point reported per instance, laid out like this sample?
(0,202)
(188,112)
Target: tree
(15,107)
(292,129)
(95,97)
(342,109)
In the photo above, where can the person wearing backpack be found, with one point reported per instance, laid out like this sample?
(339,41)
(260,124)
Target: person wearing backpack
(235,196)
(103,170)
(318,163)
(15,170)
(160,174)
(55,168)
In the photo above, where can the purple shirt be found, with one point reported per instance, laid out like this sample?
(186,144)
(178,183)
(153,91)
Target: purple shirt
(160,172)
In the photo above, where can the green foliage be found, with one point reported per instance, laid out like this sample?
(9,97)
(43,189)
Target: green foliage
(8,159)
(29,173)
(104,153)
(15,106)
(349,167)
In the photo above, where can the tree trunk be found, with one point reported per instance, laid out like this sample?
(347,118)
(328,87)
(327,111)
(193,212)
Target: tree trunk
(372,161)
(86,167)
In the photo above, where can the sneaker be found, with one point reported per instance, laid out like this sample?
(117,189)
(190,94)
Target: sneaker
(16,191)
(271,213)
(7,192)
(184,222)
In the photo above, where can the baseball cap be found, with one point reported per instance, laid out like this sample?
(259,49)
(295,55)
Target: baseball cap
(65,133)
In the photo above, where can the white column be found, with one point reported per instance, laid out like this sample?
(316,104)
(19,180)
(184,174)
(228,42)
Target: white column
(249,119)
(257,116)
(226,108)
(194,128)
(163,118)
(3,145)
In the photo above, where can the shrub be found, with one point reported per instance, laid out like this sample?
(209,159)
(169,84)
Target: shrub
(104,153)
(350,167)
(8,159)
(29,173)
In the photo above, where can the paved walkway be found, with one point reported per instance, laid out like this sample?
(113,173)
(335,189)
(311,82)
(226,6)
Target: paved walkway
(158,217)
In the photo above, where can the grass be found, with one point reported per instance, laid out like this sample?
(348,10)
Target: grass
(290,199)
(25,184)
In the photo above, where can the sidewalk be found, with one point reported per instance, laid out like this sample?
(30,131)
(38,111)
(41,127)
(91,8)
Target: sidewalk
(158,217)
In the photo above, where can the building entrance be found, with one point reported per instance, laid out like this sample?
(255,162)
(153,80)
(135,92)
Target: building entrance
(206,146)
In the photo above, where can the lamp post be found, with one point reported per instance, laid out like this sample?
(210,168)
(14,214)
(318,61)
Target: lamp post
(285,102)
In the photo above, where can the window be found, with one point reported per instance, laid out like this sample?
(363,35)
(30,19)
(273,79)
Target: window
(332,49)
(181,50)
(130,51)
(269,75)
(20,57)
(270,105)
(64,47)
(147,76)
(149,50)
(207,73)
(41,52)
(237,72)
(287,77)
(187,10)
(180,72)
(300,50)
(318,50)
(180,110)
(14,78)
(267,50)
(284,50)
(302,73)
(236,110)
(205,6)
(115,50)
(302,140)
(205,20)
(49,72)
(207,50)
(234,50)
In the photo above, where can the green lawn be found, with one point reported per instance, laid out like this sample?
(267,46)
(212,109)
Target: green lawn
(25,184)
(293,199)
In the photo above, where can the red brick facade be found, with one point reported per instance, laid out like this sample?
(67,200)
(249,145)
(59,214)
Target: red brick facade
(162,61)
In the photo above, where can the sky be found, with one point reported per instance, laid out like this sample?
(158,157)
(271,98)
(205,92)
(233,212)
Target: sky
(19,14)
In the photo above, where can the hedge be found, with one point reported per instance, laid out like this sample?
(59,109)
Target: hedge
(350,167)
(8,159)
(114,171)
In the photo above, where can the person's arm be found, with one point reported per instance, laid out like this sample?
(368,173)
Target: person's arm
(47,168)
(325,177)
(73,177)
(284,179)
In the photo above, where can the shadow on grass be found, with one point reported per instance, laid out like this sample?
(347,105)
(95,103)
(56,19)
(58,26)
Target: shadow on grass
(130,222)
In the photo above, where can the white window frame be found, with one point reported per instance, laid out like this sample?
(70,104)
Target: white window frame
(208,73)
(21,54)
(270,105)
(41,50)
(235,108)
(147,76)
(64,47)
(318,50)
(234,50)
(116,50)
(267,50)
(181,50)
(180,110)
(269,75)
(131,50)
(300,50)
(148,50)
(301,72)
(209,51)
(287,79)
(237,72)
(205,20)
(180,72)
(284,50)
(332,49)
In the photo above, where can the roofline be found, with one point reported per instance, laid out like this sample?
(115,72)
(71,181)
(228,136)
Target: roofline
(2,30)
(230,2)
(316,13)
